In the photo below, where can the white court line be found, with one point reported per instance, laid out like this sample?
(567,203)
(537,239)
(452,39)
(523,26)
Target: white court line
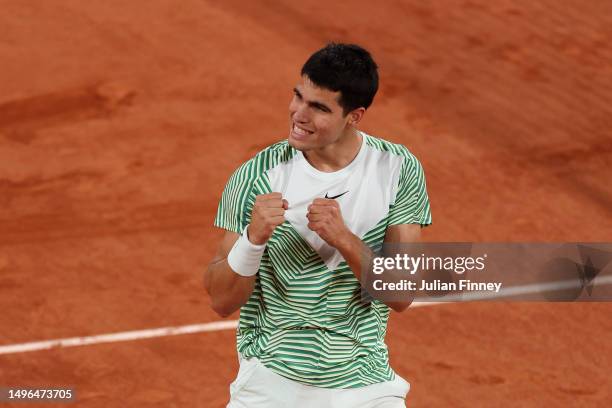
(232,324)
(121,336)
(134,335)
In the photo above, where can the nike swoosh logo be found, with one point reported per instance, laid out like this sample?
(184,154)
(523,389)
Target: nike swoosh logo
(334,197)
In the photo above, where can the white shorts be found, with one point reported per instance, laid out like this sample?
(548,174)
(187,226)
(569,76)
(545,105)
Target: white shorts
(256,386)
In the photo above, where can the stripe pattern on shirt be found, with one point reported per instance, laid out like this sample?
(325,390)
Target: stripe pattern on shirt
(302,320)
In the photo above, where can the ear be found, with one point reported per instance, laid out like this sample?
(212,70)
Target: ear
(354,116)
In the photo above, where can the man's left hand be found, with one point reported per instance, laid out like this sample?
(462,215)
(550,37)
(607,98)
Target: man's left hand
(326,220)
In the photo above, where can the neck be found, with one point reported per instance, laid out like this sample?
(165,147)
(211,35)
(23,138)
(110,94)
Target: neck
(338,155)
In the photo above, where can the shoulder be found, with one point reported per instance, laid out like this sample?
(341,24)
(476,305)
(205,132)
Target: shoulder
(394,150)
(265,160)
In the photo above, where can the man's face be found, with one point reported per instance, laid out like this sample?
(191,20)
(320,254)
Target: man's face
(316,118)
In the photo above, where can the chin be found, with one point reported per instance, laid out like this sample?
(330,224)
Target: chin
(298,144)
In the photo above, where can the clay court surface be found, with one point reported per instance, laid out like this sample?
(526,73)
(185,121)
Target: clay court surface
(120,123)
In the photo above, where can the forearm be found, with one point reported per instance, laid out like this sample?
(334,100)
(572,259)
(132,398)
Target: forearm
(228,291)
(230,277)
(356,254)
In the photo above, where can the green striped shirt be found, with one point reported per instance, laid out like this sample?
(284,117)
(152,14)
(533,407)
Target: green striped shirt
(305,321)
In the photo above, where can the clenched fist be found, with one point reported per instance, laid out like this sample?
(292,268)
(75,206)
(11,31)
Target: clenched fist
(326,220)
(268,213)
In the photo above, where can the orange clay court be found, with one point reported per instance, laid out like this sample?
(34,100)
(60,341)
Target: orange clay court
(120,123)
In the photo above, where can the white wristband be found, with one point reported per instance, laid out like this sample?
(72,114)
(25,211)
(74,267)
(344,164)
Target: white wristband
(245,257)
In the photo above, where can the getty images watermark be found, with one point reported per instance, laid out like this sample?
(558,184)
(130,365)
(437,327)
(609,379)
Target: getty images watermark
(411,265)
(489,271)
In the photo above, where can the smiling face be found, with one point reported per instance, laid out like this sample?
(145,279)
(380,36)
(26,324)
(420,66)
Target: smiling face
(316,117)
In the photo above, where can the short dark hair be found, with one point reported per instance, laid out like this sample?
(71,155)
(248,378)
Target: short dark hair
(347,68)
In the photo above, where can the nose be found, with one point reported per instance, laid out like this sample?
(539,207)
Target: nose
(299,116)
(299,112)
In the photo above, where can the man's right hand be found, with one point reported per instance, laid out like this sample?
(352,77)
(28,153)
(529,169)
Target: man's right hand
(268,213)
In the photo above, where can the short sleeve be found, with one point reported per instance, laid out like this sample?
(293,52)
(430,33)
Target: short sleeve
(234,211)
(411,204)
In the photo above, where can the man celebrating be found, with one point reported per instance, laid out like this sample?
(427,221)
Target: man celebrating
(301,218)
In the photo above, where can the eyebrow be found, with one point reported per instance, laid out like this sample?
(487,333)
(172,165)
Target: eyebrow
(313,104)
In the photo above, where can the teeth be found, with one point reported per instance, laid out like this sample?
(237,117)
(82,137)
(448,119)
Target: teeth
(300,131)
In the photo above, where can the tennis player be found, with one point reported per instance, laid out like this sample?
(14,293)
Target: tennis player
(301,218)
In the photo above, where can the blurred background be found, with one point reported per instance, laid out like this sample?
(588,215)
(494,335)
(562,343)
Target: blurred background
(121,122)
